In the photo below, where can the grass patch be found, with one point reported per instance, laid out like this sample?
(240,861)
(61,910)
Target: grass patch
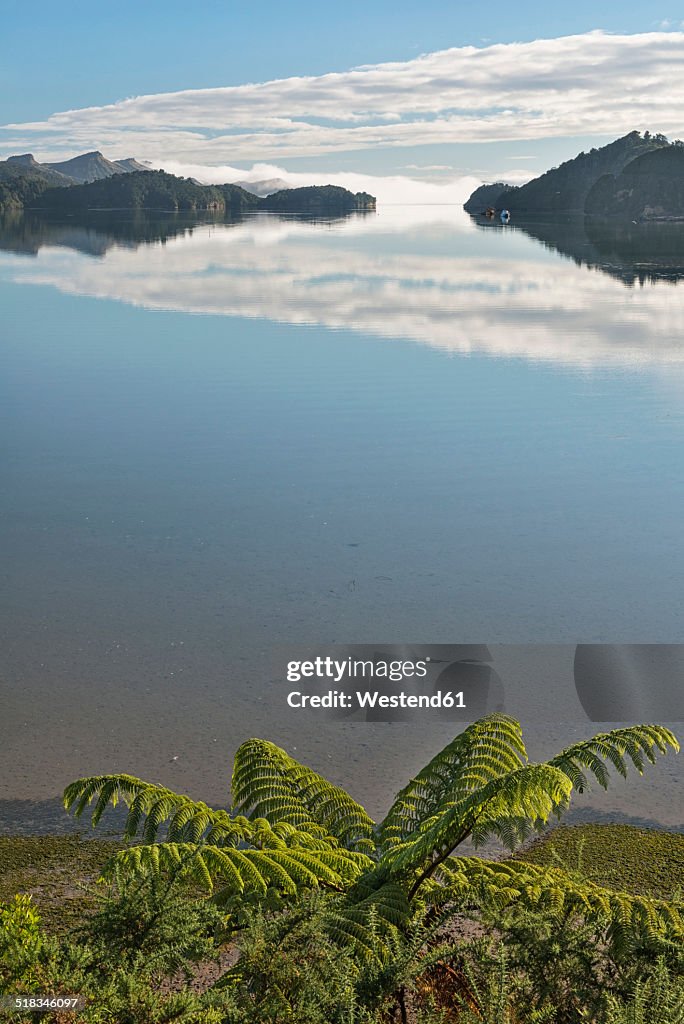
(52,870)
(634,860)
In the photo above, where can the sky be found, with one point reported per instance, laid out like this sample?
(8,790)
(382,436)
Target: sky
(435,92)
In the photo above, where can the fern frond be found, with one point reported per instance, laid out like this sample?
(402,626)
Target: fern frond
(228,872)
(531,793)
(484,751)
(625,916)
(268,783)
(155,810)
(369,924)
(151,806)
(639,743)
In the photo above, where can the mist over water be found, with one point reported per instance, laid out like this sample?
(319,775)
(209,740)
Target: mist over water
(399,428)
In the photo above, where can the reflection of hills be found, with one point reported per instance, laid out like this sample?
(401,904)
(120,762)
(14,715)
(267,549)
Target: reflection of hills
(627,251)
(446,288)
(95,233)
(639,252)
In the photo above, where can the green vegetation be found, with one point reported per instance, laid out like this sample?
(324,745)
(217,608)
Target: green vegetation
(650,188)
(297,906)
(487,196)
(23,180)
(25,184)
(149,190)
(636,177)
(21,187)
(54,871)
(617,856)
(318,199)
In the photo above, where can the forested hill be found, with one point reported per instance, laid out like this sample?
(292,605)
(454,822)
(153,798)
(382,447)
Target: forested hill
(565,189)
(146,190)
(650,188)
(315,199)
(23,180)
(486,196)
(157,190)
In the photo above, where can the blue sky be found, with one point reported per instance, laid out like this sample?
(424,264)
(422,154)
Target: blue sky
(71,56)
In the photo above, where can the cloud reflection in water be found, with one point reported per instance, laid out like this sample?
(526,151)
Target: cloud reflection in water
(424,274)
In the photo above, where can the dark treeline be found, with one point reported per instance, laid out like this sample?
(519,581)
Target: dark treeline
(640,177)
(157,190)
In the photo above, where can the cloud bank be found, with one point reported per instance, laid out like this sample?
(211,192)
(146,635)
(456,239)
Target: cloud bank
(590,84)
(396,188)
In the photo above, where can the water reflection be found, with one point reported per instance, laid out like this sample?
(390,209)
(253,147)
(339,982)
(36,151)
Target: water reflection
(630,252)
(94,234)
(434,277)
(180,494)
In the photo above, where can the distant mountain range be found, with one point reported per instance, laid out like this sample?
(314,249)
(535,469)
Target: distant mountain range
(94,166)
(92,182)
(637,176)
(265,187)
(77,171)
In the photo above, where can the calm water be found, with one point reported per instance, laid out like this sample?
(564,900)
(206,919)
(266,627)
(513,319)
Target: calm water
(404,427)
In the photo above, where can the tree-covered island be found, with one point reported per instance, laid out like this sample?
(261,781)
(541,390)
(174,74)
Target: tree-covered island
(29,185)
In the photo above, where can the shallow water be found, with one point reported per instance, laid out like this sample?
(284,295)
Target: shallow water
(404,427)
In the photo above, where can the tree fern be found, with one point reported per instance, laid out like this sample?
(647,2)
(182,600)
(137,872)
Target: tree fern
(531,792)
(232,854)
(292,830)
(270,783)
(639,743)
(485,750)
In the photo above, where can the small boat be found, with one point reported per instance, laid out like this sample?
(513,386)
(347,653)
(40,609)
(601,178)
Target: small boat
(505,216)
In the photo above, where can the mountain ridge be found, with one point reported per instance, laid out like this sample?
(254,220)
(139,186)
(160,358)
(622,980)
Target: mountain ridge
(265,187)
(88,167)
(77,170)
(27,188)
(567,189)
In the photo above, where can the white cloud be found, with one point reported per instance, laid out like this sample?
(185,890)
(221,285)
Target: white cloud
(387,188)
(428,167)
(427,276)
(574,85)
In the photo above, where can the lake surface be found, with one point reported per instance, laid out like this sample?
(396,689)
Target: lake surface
(405,427)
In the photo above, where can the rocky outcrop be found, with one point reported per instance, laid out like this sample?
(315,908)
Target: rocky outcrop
(88,167)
